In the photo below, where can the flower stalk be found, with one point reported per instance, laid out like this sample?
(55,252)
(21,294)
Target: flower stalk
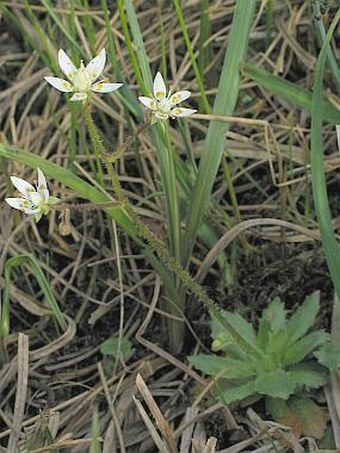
(157,246)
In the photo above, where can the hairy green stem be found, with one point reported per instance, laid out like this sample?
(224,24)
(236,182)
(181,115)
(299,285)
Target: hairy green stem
(157,246)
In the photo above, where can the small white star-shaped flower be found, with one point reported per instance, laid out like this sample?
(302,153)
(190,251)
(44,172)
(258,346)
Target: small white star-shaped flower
(81,80)
(164,105)
(34,201)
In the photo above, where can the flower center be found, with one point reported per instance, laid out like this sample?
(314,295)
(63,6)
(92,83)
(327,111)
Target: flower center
(165,105)
(82,80)
(36,199)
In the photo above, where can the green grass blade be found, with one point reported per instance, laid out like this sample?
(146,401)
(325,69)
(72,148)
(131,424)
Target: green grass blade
(205,33)
(197,72)
(125,94)
(329,242)
(270,7)
(137,70)
(226,98)
(37,46)
(292,93)
(89,29)
(160,136)
(331,60)
(84,190)
(62,28)
(79,186)
(143,59)
(18,261)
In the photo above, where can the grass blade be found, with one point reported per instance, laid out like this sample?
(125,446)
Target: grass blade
(197,72)
(329,242)
(79,186)
(18,261)
(226,98)
(331,60)
(292,93)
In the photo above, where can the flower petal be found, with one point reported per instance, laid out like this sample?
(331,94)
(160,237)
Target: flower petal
(78,97)
(16,203)
(102,87)
(148,102)
(159,88)
(22,205)
(180,96)
(180,112)
(66,64)
(23,186)
(59,84)
(41,180)
(42,186)
(96,66)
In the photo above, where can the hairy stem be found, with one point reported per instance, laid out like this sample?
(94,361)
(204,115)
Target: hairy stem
(158,247)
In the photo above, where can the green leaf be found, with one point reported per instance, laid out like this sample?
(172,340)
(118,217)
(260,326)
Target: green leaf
(300,349)
(264,333)
(231,368)
(290,91)
(276,384)
(329,356)
(308,379)
(237,393)
(208,364)
(303,319)
(244,328)
(273,319)
(277,343)
(275,313)
(113,346)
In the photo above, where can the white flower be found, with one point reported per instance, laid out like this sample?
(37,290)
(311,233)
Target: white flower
(81,80)
(164,105)
(34,201)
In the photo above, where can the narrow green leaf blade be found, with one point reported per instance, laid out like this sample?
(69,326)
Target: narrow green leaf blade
(18,261)
(225,102)
(329,241)
(69,179)
(291,92)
